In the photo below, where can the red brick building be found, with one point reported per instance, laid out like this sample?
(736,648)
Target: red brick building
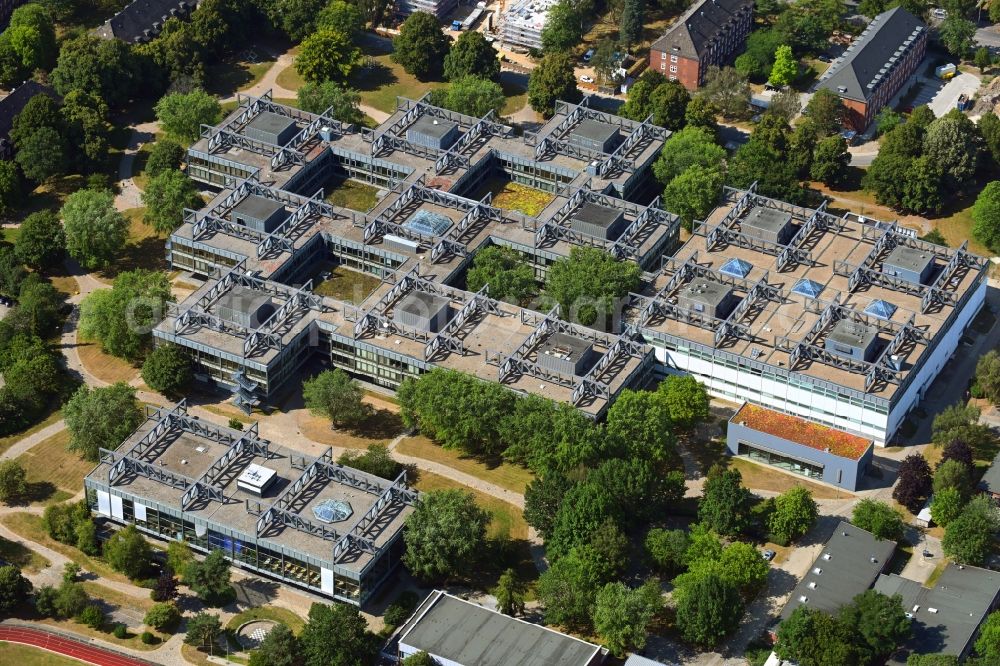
(710,33)
(876,65)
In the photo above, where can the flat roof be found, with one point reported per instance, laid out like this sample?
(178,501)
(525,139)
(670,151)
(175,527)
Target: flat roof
(706,291)
(258,207)
(596,214)
(768,219)
(946,617)
(241,299)
(835,248)
(191,454)
(908,257)
(421,303)
(853,333)
(849,564)
(595,130)
(436,127)
(268,121)
(801,431)
(991,479)
(465,633)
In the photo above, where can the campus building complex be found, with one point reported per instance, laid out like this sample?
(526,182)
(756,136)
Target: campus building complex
(836,324)
(522,22)
(249,330)
(710,33)
(304,520)
(877,64)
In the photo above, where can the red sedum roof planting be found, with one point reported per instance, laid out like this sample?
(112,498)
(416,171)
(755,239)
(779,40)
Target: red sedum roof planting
(803,432)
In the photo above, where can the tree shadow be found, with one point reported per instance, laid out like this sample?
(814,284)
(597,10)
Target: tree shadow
(254,592)
(147,254)
(373,75)
(37,491)
(380,424)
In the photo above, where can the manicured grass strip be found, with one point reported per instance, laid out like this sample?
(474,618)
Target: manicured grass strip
(352,194)
(55,472)
(21,556)
(25,655)
(504,475)
(507,520)
(105,367)
(282,615)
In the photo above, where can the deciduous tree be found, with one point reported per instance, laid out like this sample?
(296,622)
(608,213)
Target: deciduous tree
(508,276)
(337,635)
(794,514)
(95,230)
(165,198)
(914,483)
(563,27)
(210,577)
(830,161)
(332,393)
(166,154)
(327,55)
(182,114)
(969,537)
(879,620)
(444,534)
(42,155)
(553,79)
(640,422)
(472,55)
(470,95)
(128,551)
(162,616)
(785,68)
(168,370)
(101,418)
(622,615)
(667,548)
(421,46)
(14,587)
(725,504)
(121,318)
(13,482)
(42,241)
(280,647)
(946,505)
(691,146)
(728,90)
(953,143)
(336,101)
(586,283)
(811,637)
(669,103)
(958,35)
(988,643)
(826,110)
(509,593)
(203,629)
(709,609)
(986,215)
(879,518)
(693,194)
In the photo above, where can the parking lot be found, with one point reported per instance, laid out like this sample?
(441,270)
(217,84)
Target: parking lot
(942,96)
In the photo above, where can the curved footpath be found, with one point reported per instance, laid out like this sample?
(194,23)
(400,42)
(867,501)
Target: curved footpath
(70,647)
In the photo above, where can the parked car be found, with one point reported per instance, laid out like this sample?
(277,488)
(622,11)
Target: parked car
(588,55)
(768,554)
(939,13)
(823,58)
(587,79)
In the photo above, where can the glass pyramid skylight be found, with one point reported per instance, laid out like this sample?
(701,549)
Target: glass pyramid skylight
(808,288)
(427,223)
(881,309)
(736,267)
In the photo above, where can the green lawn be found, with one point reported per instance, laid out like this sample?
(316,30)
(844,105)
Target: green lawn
(515,90)
(22,557)
(347,285)
(505,475)
(351,194)
(54,474)
(226,78)
(10,440)
(24,655)
(282,615)
(143,249)
(10,234)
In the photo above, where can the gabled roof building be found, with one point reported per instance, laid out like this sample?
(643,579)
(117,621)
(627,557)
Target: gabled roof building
(460,633)
(13,104)
(990,483)
(877,65)
(710,33)
(142,20)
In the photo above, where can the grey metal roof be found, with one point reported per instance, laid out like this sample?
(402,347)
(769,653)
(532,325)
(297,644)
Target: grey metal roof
(243,299)
(908,258)
(852,333)
(464,633)
(870,57)
(708,292)
(259,208)
(850,562)
(268,121)
(435,127)
(596,214)
(692,33)
(991,479)
(421,303)
(594,130)
(767,219)
(946,617)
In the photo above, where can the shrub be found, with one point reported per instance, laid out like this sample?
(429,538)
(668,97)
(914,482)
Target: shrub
(92,616)
(148,638)
(121,631)
(400,610)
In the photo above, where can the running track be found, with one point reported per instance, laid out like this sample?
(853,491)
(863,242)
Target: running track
(47,640)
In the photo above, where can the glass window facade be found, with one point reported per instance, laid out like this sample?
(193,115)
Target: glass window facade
(811,470)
